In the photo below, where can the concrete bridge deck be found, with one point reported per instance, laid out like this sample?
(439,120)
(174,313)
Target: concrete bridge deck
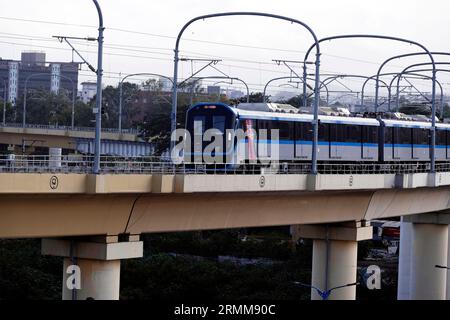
(69,204)
(98,219)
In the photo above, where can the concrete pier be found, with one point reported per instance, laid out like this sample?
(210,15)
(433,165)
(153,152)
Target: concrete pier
(92,267)
(429,248)
(335,257)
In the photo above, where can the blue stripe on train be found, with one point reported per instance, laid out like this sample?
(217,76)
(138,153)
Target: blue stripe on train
(336,144)
(321,143)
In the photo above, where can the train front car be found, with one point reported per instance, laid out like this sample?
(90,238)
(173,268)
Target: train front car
(210,127)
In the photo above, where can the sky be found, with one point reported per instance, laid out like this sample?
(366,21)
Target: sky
(140,36)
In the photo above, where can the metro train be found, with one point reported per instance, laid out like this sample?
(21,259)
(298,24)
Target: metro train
(341,139)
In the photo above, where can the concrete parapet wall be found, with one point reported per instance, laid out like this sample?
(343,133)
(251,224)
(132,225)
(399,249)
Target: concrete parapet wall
(239,183)
(84,183)
(322,182)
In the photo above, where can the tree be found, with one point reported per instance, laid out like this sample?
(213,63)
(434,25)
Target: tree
(9,112)
(412,109)
(255,97)
(446,111)
(297,101)
(47,108)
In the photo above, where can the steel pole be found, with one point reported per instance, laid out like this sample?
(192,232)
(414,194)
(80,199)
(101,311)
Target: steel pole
(173,114)
(316,115)
(73,107)
(120,106)
(305,75)
(24,111)
(98,115)
(4,103)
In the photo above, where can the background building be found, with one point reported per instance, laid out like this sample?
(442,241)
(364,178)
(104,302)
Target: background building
(41,75)
(88,91)
(166,84)
(213,89)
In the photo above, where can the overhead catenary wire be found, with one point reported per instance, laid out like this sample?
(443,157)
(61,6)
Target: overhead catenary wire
(132,48)
(186,39)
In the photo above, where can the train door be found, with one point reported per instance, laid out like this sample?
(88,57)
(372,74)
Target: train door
(197,141)
(336,139)
(447,134)
(332,133)
(441,145)
(395,143)
(219,124)
(303,140)
(264,137)
(366,142)
(420,143)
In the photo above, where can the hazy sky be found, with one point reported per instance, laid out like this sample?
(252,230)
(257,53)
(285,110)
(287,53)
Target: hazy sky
(246,45)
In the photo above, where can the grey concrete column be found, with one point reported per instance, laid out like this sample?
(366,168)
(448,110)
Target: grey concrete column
(448,265)
(341,258)
(404,261)
(429,248)
(335,257)
(92,269)
(99,280)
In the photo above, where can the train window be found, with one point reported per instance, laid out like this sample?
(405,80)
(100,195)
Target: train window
(388,135)
(303,131)
(352,133)
(199,125)
(369,134)
(332,129)
(219,123)
(421,136)
(265,125)
(441,139)
(403,135)
(337,132)
(323,132)
(286,129)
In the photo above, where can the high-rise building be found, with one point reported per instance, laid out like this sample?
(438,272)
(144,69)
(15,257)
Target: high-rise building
(37,74)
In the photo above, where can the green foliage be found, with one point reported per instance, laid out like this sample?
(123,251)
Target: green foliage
(47,108)
(111,105)
(192,273)
(9,112)
(297,101)
(255,97)
(214,243)
(166,277)
(25,274)
(413,109)
(446,111)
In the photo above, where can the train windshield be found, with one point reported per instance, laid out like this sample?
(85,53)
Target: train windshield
(199,125)
(204,117)
(218,123)
(201,119)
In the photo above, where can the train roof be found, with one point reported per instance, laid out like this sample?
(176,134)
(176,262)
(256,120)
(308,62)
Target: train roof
(413,124)
(283,112)
(300,117)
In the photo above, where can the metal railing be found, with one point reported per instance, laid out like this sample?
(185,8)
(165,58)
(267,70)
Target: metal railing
(161,165)
(67,128)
